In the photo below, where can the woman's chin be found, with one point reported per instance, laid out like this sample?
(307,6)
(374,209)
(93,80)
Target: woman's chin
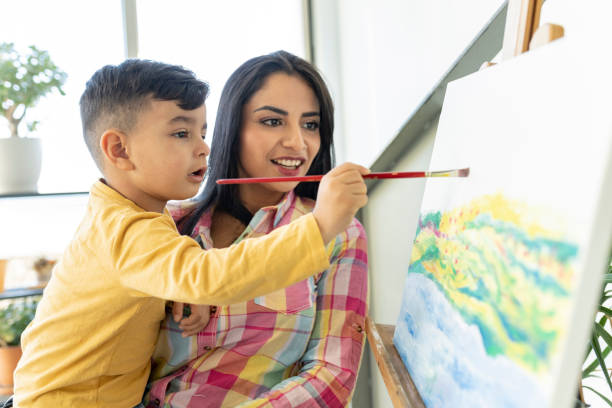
(281,187)
(287,172)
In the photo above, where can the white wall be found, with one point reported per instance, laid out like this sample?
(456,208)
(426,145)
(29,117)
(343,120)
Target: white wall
(380,59)
(390,220)
(39,226)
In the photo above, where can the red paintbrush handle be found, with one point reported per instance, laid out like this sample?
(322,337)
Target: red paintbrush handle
(381,175)
(268,179)
(395,174)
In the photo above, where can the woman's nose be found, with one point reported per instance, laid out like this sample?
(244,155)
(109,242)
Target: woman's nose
(294,138)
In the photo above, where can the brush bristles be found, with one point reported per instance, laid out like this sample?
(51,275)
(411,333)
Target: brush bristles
(464,172)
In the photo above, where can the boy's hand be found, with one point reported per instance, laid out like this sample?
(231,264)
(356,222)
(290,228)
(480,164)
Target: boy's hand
(342,192)
(191,323)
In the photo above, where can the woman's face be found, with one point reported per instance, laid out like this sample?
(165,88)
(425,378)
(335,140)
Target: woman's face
(279,136)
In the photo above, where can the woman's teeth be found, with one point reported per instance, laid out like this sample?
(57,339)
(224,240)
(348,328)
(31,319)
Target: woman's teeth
(293,164)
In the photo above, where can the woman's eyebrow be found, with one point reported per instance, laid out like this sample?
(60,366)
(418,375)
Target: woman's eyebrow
(273,109)
(284,112)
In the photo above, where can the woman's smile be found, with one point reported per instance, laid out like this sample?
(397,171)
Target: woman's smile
(289,166)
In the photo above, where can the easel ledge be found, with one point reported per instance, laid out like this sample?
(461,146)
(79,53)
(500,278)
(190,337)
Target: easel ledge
(401,389)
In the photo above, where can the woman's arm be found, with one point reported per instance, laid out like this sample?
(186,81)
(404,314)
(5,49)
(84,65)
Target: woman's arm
(326,374)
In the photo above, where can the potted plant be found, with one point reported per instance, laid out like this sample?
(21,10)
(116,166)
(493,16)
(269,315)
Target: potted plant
(43,268)
(14,318)
(24,79)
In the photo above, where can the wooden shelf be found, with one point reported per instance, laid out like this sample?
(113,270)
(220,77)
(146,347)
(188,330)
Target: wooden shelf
(401,389)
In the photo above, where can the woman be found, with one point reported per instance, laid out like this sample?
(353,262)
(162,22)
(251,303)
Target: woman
(300,346)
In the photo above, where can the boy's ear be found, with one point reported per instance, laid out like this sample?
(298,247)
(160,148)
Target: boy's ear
(114,148)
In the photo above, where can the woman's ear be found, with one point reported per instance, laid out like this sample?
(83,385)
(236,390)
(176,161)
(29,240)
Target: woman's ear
(114,149)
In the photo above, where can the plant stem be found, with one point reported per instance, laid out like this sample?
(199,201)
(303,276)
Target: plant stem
(13,121)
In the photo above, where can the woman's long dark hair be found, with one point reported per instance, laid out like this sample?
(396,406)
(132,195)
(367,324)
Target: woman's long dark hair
(224,155)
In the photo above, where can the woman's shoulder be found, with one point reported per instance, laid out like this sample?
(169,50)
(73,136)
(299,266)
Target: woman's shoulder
(355,232)
(179,209)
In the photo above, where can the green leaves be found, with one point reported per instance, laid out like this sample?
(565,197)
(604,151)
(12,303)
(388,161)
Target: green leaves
(24,79)
(13,320)
(601,334)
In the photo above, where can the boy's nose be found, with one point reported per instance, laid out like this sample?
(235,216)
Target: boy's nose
(202,148)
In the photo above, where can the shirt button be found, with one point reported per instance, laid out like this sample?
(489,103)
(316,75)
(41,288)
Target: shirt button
(357,327)
(213,310)
(207,347)
(156,402)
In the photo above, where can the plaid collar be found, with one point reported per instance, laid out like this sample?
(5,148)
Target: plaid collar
(260,223)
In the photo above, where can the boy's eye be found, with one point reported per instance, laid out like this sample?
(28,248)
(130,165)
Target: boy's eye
(181,134)
(272,122)
(203,136)
(311,125)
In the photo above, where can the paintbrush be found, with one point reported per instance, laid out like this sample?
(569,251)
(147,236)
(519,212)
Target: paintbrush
(380,175)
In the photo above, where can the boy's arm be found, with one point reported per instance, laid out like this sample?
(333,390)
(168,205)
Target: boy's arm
(153,258)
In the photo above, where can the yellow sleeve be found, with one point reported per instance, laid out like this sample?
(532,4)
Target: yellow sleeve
(152,258)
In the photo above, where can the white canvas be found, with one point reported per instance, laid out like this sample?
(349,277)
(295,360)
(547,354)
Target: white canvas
(507,264)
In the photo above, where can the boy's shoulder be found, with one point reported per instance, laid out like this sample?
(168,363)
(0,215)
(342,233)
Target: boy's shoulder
(112,214)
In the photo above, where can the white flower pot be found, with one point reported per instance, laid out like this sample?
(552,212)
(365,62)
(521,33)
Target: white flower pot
(20,163)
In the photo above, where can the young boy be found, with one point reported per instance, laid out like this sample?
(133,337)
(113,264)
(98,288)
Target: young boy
(91,340)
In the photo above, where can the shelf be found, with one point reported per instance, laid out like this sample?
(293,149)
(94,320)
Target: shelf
(20,293)
(401,389)
(34,195)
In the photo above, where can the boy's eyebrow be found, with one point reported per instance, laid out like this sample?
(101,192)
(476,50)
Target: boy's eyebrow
(186,119)
(283,112)
(182,119)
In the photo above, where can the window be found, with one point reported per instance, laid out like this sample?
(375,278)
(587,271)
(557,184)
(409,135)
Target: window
(80,38)
(210,38)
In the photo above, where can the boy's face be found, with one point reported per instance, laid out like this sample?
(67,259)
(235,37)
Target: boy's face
(167,149)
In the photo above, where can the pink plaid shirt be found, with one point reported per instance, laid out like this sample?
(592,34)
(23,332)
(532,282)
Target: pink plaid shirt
(297,347)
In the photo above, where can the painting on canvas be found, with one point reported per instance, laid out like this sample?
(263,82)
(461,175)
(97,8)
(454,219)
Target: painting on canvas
(506,264)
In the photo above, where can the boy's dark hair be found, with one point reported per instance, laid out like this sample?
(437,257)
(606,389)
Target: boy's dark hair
(116,94)
(224,157)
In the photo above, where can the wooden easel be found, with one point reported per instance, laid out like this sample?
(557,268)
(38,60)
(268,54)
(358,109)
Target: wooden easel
(401,389)
(522,33)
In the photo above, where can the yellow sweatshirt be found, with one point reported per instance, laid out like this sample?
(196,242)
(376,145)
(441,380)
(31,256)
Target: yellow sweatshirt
(91,341)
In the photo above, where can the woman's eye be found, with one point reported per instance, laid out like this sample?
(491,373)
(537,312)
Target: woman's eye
(311,125)
(181,134)
(272,122)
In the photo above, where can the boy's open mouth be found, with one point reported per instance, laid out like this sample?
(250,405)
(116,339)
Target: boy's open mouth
(199,172)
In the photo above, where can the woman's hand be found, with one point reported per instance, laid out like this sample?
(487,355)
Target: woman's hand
(341,193)
(192,318)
